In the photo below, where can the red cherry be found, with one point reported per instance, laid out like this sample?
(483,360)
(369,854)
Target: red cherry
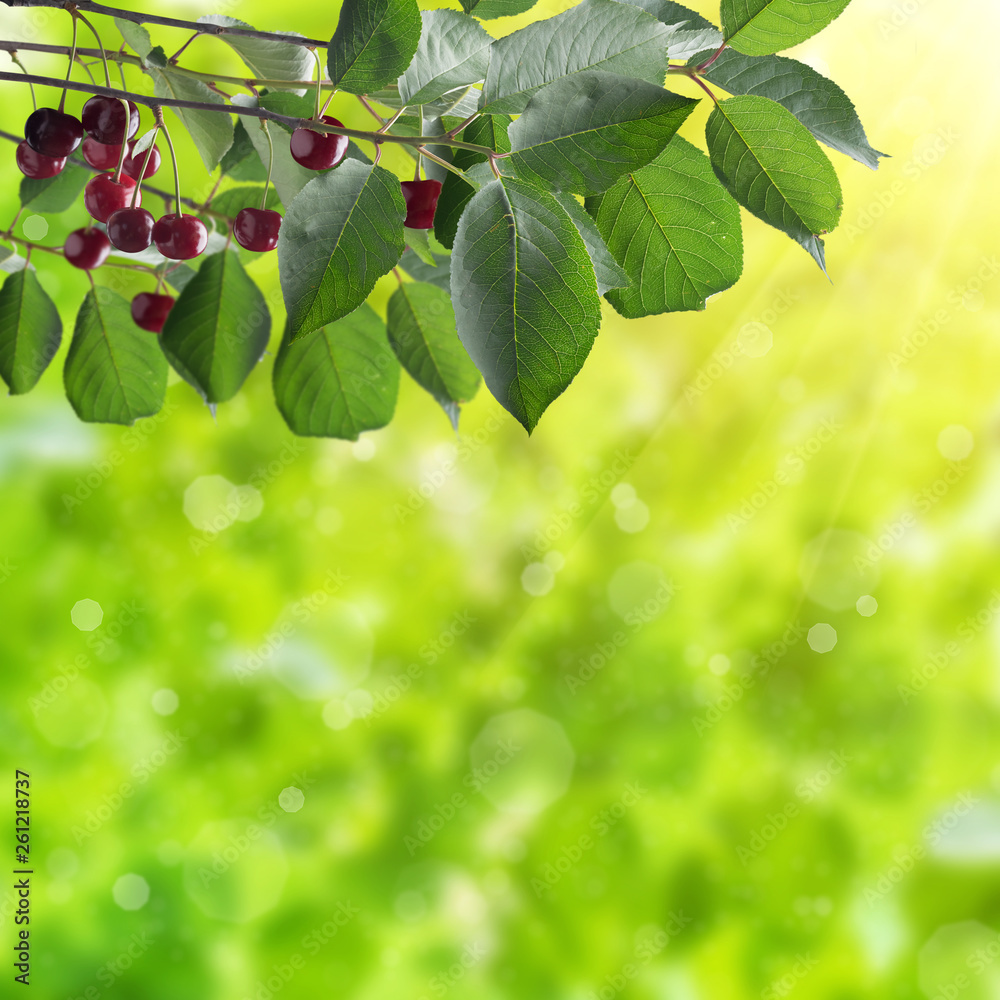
(36,166)
(131,229)
(87,248)
(180,237)
(133,164)
(318,150)
(52,133)
(104,120)
(100,154)
(150,311)
(104,195)
(421,199)
(257,229)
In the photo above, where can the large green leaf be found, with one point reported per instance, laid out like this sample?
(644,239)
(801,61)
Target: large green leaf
(30,331)
(760,27)
(525,295)
(136,36)
(421,324)
(115,372)
(596,34)
(771,164)
(339,236)
(373,44)
(606,269)
(55,194)
(584,131)
(267,59)
(210,131)
(690,32)
(816,101)
(218,328)
(674,230)
(454,51)
(488,9)
(339,382)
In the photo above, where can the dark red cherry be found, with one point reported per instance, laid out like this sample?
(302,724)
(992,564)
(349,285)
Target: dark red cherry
(131,229)
(52,133)
(257,229)
(180,237)
(87,248)
(104,195)
(36,166)
(318,150)
(104,120)
(100,154)
(421,199)
(150,310)
(133,164)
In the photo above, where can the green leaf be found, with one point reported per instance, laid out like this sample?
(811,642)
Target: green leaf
(770,163)
(438,275)
(421,324)
(525,295)
(136,36)
(760,27)
(115,372)
(341,381)
(30,331)
(339,236)
(596,34)
(241,161)
(454,52)
(816,101)
(373,44)
(211,132)
(418,240)
(583,132)
(266,59)
(55,194)
(218,328)
(606,269)
(690,32)
(486,10)
(246,196)
(675,231)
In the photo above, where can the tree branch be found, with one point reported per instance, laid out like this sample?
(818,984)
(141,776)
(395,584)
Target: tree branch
(137,17)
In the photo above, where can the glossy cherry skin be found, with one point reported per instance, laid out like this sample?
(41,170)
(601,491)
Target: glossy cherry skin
(318,150)
(36,166)
(131,229)
(87,248)
(104,120)
(180,237)
(52,133)
(100,154)
(257,229)
(133,164)
(104,195)
(421,199)
(150,311)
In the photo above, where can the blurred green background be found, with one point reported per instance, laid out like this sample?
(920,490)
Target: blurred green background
(693,694)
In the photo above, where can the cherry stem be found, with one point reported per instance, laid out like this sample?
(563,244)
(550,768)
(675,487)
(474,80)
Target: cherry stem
(416,173)
(173,59)
(100,45)
(718,52)
(319,83)
(369,108)
(158,111)
(392,121)
(494,167)
(270,163)
(444,163)
(121,152)
(145,162)
(327,103)
(461,125)
(69,69)
(16,59)
(701,83)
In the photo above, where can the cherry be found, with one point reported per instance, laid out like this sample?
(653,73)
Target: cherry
(133,164)
(35,165)
(52,133)
(100,154)
(257,229)
(180,237)
(150,310)
(131,229)
(87,248)
(318,150)
(421,199)
(104,120)
(104,195)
